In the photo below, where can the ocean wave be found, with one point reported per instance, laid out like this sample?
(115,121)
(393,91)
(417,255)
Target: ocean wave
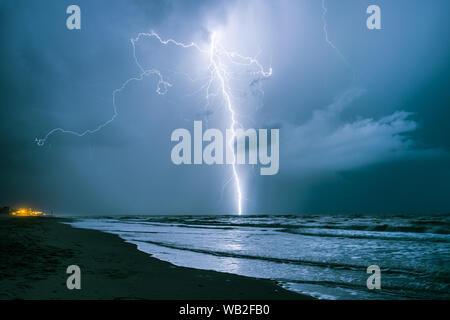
(433,224)
(413,292)
(442,275)
(357,234)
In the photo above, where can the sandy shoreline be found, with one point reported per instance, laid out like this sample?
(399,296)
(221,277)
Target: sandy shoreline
(35,253)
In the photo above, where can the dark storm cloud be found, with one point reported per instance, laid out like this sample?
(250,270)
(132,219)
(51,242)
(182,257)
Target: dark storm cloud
(359,144)
(325,141)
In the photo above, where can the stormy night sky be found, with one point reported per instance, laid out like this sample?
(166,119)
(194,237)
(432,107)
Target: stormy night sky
(363,125)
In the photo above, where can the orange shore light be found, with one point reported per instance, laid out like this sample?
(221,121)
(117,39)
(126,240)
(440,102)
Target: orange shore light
(26,213)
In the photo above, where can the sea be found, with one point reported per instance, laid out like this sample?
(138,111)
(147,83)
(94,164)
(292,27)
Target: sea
(322,256)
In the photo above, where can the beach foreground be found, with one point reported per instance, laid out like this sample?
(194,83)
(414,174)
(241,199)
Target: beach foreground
(36,251)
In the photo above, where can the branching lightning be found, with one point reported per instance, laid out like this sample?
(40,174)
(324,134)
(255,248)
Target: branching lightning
(161,89)
(325,31)
(330,43)
(219,58)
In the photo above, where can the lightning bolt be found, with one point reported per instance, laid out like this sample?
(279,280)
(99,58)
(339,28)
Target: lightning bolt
(217,69)
(325,31)
(331,44)
(161,89)
(218,58)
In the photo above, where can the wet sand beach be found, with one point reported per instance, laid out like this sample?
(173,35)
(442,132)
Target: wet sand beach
(36,251)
